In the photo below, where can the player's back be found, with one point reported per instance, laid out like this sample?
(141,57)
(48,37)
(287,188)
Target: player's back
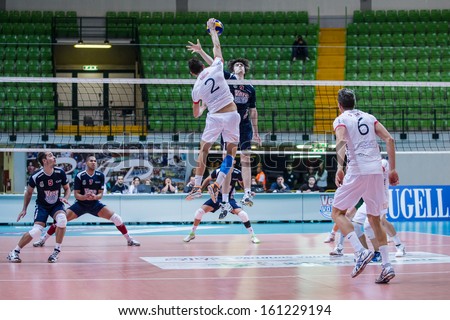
(363,154)
(212,88)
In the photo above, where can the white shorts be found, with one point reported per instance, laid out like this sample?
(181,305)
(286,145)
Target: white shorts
(226,123)
(361,214)
(368,187)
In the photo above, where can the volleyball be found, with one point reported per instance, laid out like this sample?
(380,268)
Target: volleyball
(219,27)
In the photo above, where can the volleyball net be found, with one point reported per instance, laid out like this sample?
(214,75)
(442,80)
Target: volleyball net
(293,115)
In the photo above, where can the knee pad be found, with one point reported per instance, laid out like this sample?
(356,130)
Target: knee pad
(116,219)
(243,215)
(61,220)
(199,214)
(226,165)
(368,230)
(36,231)
(358,229)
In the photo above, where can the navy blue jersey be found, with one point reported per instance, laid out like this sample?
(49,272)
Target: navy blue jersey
(85,184)
(48,186)
(244,97)
(236,177)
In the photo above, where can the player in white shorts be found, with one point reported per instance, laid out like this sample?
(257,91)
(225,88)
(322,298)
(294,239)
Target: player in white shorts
(356,142)
(211,92)
(360,219)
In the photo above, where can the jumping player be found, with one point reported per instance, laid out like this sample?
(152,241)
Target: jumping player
(211,92)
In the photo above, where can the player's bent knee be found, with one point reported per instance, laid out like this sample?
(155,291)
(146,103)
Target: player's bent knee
(116,219)
(369,231)
(61,220)
(36,231)
(199,214)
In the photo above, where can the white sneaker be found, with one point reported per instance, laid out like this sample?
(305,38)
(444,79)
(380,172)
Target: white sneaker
(401,252)
(247,200)
(225,208)
(39,243)
(190,236)
(387,273)
(54,256)
(133,243)
(330,238)
(195,193)
(13,256)
(255,239)
(337,251)
(363,258)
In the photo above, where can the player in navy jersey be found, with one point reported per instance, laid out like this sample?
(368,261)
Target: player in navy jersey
(211,206)
(245,100)
(88,190)
(48,181)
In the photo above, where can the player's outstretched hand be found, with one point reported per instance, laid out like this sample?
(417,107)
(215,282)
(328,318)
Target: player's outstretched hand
(194,47)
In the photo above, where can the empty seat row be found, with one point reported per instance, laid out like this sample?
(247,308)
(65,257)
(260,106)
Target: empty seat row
(401,15)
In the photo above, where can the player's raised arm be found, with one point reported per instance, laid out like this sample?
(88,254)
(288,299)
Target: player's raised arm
(197,48)
(217,51)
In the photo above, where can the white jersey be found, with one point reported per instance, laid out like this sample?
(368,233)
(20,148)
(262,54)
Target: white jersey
(212,88)
(363,153)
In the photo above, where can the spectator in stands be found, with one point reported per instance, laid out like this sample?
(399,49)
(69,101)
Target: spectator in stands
(168,186)
(322,177)
(120,186)
(134,185)
(290,177)
(261,178)
(310,171)
(300,49)
(191,183)
(255,187)
(279,186)
(310,186)
(146,187)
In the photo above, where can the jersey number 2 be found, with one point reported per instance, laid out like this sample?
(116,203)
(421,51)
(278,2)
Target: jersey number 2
(213,89)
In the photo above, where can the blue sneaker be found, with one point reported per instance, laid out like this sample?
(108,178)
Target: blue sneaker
(376,256)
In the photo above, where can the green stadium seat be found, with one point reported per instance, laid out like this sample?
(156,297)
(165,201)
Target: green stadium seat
(380,16)
(402,16)
(291,17)
(435,15)
(235,17)
(169,17)
(414,16)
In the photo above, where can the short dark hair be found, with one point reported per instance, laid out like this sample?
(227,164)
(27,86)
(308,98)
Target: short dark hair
(346,98)
(40,158)
(195,66)
(244,61)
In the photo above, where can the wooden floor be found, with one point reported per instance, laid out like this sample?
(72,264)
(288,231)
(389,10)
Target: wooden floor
(222,267)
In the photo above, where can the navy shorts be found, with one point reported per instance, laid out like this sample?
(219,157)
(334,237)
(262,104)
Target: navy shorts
(80,209)
(216,206)
(42,213)
(245,137)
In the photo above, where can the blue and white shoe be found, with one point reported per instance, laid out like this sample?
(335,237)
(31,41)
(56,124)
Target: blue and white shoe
(376,256)
(387,274)
(362,259)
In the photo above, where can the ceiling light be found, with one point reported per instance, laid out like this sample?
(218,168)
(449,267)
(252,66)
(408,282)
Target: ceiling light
(82,45)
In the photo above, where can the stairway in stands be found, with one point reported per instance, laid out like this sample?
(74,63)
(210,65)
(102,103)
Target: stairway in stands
(330,66)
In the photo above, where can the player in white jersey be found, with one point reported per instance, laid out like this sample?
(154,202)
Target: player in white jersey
(356,140)
(361,224)
(211,92)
